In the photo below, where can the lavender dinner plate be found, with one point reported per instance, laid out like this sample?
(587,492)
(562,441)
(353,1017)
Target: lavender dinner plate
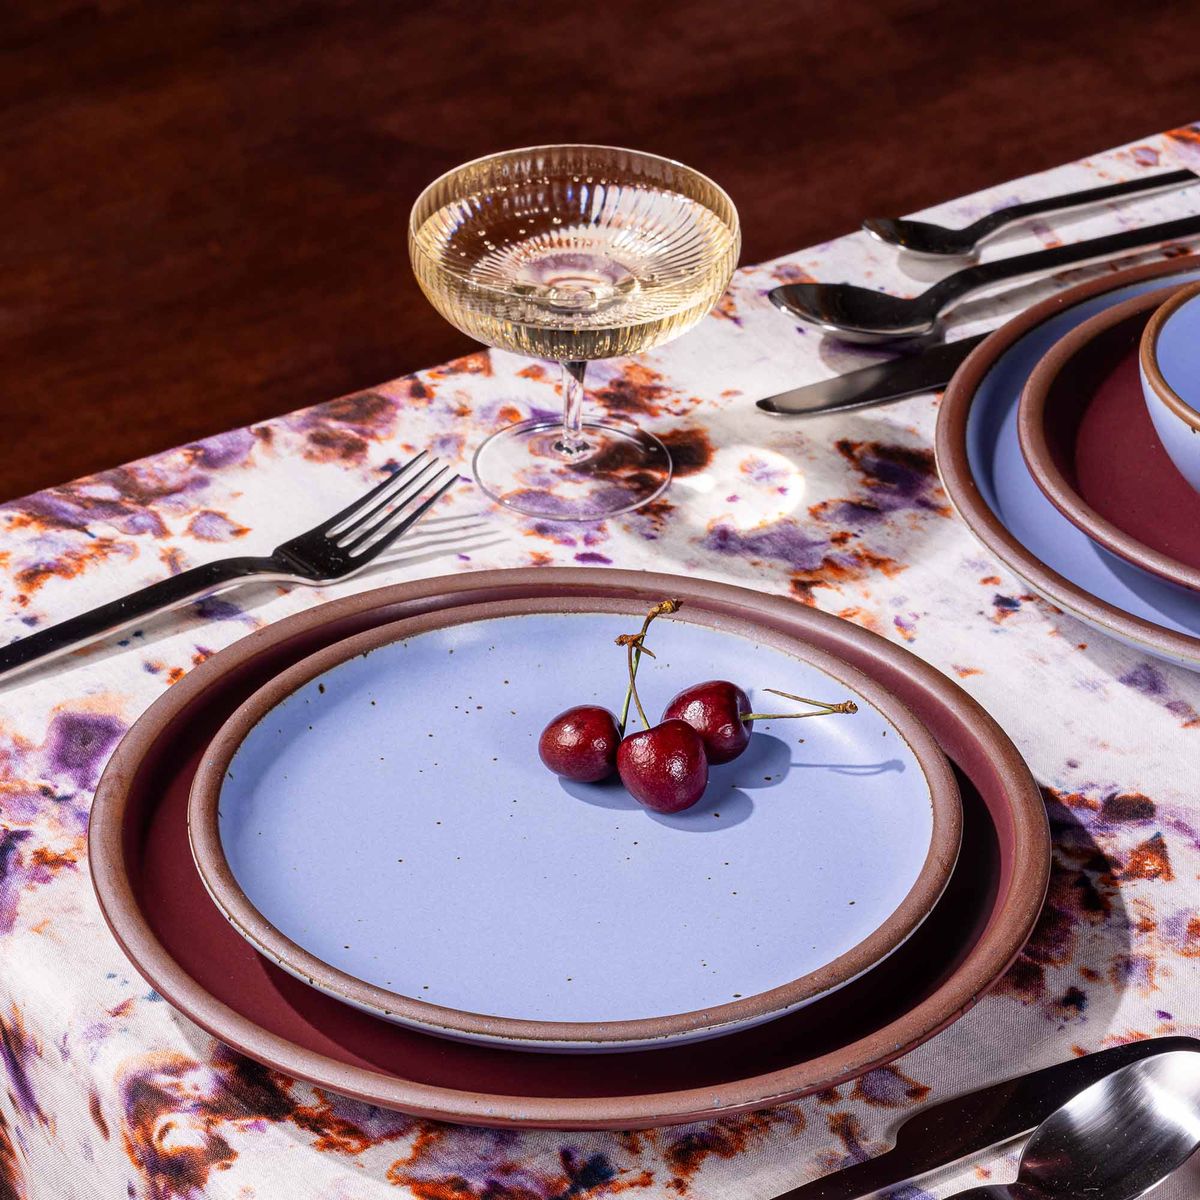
(985,475)
(378,822)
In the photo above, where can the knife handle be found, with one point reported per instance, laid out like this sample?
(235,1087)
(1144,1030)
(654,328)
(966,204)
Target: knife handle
(876,384)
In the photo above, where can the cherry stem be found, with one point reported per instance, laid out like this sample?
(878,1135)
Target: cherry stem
(824,709)
(635,647)
(633,666)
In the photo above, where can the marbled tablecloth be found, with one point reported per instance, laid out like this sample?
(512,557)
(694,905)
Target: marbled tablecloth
(111,1093)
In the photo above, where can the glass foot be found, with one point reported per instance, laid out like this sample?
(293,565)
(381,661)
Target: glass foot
(620,468)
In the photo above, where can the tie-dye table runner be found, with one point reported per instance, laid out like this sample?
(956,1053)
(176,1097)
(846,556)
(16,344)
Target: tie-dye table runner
(109,1092)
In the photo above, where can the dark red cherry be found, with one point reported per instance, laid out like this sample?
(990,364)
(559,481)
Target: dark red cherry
(714,710)
(581,744)
(664,768)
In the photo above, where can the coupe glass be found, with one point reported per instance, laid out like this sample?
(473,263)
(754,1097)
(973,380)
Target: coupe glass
(573,253)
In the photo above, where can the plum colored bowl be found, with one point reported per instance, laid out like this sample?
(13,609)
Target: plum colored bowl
(1170,363)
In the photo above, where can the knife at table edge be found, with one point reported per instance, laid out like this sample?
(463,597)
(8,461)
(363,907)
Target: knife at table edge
(953,1129)
(876,384)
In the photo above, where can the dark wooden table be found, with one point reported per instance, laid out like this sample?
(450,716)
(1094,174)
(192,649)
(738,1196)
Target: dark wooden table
(204,204)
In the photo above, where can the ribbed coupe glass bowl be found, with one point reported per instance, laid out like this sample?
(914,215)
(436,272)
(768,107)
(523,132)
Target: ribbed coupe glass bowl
(573,253)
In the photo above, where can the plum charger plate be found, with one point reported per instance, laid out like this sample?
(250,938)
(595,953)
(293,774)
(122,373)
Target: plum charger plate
(377,820)
(1091,446)
(157,908)
(986,477)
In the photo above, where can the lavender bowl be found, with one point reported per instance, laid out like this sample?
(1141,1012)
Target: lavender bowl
(1170,368)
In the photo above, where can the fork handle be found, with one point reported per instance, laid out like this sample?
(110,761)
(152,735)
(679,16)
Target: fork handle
(961,283)
(119,614)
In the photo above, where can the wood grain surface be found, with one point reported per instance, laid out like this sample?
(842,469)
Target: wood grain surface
(203,205)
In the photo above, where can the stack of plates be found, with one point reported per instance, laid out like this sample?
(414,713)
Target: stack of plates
(334,847)
(1047,451)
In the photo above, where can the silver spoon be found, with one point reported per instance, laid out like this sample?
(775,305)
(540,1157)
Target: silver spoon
(926,238)
(1116,1140)
(864,315)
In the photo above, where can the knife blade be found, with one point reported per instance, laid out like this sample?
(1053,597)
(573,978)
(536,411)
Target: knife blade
(876,384)
(952,1129)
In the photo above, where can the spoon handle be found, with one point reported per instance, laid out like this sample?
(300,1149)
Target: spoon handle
(972,279)
(1142,185)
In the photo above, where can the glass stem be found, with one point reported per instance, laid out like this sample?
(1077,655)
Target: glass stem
(570,443)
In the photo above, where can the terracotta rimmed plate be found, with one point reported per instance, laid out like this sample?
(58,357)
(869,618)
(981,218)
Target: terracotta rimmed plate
(984,473)
(158,910)
(377,821)
(1091,447)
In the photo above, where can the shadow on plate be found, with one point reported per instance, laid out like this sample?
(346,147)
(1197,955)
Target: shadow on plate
(765,763)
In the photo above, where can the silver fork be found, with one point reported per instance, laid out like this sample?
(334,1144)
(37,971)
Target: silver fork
(335,549)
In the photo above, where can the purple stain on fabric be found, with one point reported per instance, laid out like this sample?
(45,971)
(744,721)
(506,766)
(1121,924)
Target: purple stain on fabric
(447,445)
(888,1087)
(1146,679)
(142,521)
(592,556)
(1135,969)
(224,450)
(214,608)
(896,478)
(79,744)
(10,883)
(785,540)
(1074,1000)
(210,526)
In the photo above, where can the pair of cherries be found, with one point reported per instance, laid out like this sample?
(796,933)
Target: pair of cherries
(664,766)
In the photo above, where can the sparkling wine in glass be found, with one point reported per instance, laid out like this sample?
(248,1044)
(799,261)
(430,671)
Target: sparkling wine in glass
(573,253)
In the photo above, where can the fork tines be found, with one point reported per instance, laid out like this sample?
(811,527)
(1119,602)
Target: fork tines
(386,511)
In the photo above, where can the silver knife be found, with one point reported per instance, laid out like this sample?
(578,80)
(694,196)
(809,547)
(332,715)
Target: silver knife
(876,384)
(945,1132)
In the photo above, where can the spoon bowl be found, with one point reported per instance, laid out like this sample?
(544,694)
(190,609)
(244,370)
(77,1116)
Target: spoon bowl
(1116,1140)
(924,237)
(856,314)
(860,314)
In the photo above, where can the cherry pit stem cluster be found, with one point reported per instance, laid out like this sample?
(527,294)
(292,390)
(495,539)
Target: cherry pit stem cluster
(663,766)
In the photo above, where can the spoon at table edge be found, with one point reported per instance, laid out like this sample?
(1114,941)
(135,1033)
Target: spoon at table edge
(927,239)
(856,313)
(1116,1140)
